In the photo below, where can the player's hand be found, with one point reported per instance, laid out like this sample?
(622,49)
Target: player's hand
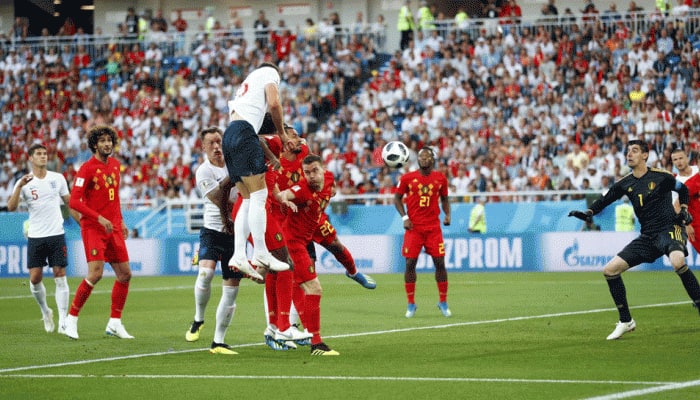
(446,221)
(684,217)
(586,216)
(125,230)
(691,232)
(407,225)
(107,224)
(290,205)
(25,179)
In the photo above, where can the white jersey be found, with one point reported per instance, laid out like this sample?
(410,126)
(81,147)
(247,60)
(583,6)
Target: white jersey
(208,177)
(693,170)
(43,198)
(250,101)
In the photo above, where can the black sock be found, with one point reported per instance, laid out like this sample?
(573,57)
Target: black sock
(690,283)
(619,295)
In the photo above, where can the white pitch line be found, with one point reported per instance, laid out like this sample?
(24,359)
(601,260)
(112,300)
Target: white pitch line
(336,378)
(641,392)
(469,323)
(154,289)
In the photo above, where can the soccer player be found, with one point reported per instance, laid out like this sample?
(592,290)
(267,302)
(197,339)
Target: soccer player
(421,220)
(649,190)
(42,191)
(215,244)
(325,235)
(96,197)
(679,158)
(245,161)
(309,196)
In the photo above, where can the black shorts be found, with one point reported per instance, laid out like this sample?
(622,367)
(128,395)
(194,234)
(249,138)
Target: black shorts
(52,248)
(646,248)
(218,246)
(243,152)
(311,249)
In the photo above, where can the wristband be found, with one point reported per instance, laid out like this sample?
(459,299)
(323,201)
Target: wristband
(405,218)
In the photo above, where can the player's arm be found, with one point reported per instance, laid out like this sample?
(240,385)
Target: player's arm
(398,204)
(13,201)
(269,155)
(285,197)
(683,198)
(274,106)
(72,212)
(615,193)
(445,200)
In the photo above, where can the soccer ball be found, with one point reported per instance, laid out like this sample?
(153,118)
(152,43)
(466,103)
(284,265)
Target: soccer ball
(395,154)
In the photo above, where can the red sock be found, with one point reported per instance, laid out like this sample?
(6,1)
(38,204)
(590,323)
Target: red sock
(119,292)
(313,316)
(344,257)
(442,291)
(299,298)
(285,280)
(81,296)
(271,295)
(410,292)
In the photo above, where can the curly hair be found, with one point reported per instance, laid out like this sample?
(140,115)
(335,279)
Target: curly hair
(98,131)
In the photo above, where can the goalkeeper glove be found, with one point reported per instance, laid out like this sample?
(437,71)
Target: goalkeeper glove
(684,217)
(586,216)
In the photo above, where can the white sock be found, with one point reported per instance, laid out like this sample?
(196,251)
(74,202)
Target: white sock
(293,315)
(257,221)
(39,293)
(62,297)
(241,230)
(202,292)
(224,312)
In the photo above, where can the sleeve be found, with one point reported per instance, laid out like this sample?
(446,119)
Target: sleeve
(682,190)
(77,197)
(444,186)
(63,189)
(615,193)
(206,182)
(401,187)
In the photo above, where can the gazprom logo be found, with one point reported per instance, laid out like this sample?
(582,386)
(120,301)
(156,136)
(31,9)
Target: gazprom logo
(572,258)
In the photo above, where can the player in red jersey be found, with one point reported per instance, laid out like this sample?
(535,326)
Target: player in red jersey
(325,235)
(693,184)
(310,196)
(422,190)
(96,197)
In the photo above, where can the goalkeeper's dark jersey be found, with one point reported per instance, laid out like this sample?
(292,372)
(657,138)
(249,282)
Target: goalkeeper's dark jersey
(650,196)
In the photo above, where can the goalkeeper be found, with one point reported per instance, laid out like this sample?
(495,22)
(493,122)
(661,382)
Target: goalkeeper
(662,230)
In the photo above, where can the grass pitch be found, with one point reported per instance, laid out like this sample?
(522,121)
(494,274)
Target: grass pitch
(511,336)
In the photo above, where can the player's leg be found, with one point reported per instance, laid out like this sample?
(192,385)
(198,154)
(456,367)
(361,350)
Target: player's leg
(224,314)
(435,247)
(613,275)
(120,291)
(202,294)
(58,259)
(312,289)
(344,257)
(690,282)
(412,244)
(37,250)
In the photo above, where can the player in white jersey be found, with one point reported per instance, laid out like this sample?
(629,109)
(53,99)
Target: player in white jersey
(42,191)
(245,160)
(216,243)
(679,158)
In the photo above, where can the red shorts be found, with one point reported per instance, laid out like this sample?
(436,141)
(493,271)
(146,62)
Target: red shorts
(304,267)
(325,232)
(696,242)
(429,237)
(102,246)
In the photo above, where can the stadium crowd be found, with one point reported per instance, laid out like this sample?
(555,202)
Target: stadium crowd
(508,107)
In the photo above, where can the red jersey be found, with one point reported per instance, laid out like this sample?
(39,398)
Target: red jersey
(291,172)
(96,192)
(422,196)
(301,225)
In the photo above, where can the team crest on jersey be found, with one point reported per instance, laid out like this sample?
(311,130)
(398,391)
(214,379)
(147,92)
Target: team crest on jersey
(323,203)
(278,237)
(652,185)
(294,177)
(312,269)
(53,185)
(93,252)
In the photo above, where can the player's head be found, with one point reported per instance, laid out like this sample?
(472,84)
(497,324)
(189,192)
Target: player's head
(211,143)
(637,153)
(294,137)
(312,166)
(679,158)
(97,139)
(271,65)
(426,158)
(33,149)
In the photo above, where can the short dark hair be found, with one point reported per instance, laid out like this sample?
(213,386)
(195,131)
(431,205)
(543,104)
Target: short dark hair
(271,65)
(642,144)
(98,131)
(211,129)
(34,147)
(312,158)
